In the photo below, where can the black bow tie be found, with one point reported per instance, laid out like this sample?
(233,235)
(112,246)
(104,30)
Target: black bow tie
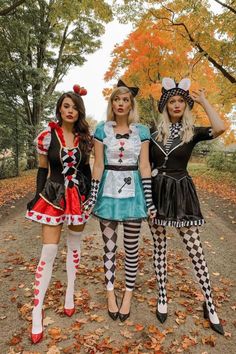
(122,136)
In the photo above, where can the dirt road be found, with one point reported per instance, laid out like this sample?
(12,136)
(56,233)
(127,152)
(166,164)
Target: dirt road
(90,330)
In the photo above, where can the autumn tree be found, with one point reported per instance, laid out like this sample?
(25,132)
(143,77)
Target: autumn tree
(40,42)
(148,54)
(212,36)
(178,39)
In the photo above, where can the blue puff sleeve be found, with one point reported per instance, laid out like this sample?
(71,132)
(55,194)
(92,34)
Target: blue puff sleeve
(144,132)
(99,133)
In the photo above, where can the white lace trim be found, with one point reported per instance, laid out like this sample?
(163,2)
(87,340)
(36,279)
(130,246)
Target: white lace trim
(56,220)
(179,223)
(45,142)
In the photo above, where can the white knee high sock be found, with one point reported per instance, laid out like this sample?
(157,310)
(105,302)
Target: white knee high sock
(42,279)
(72,264)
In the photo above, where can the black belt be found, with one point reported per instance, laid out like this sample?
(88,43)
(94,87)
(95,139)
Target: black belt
(121,168)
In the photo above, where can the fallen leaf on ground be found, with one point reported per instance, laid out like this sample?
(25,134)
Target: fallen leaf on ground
(47,321)
(210,340)
(55,333)
(139,327)
(126,333)
(53,350)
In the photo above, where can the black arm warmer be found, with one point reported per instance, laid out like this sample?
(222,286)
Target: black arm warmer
(41,179)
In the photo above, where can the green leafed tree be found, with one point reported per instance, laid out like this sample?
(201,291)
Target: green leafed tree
(10,7)
(40,41)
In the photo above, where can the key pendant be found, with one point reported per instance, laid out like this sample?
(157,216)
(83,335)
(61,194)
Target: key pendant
(127,180)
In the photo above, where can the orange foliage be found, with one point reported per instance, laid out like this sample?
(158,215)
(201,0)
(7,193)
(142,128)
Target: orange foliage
(150,53)
(229,138)
(222,189)
(106,92)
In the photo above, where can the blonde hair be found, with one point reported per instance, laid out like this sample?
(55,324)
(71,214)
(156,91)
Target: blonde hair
(133,114)
(187,126)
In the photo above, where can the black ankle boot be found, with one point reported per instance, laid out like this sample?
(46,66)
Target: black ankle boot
(217,327)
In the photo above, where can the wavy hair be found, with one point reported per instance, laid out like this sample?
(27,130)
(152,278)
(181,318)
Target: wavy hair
(81,126)
(187,126)
(133,114)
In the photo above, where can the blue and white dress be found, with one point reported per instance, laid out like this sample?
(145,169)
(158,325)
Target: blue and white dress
(120,195)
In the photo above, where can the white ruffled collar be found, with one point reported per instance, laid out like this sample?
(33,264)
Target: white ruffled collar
(112,123)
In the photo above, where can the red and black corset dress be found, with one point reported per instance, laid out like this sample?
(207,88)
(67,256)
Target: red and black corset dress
(68,184)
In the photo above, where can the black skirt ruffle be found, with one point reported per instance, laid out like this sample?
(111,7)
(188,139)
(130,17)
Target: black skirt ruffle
(54,192)
(176,200)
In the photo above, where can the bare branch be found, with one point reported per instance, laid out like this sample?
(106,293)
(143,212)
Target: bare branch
(201,50)
(56,73)
(230,8)
(11,8)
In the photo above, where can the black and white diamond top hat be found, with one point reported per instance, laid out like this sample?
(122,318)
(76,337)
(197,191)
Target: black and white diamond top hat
(171,88)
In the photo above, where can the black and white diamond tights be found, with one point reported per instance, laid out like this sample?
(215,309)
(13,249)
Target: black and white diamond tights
(131,239)
(160,264)
(190,236)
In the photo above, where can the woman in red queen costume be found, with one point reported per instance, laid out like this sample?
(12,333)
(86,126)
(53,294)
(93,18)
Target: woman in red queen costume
(63,184)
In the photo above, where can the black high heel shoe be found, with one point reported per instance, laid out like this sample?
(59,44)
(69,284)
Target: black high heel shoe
(114,315)
(217,327)
(123,316)
(161,316)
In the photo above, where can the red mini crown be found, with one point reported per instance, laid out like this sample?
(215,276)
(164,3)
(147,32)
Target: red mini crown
(79,90)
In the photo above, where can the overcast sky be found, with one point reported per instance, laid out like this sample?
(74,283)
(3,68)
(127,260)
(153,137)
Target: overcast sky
(91,74)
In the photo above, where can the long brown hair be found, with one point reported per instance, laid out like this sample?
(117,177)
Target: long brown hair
(81,126)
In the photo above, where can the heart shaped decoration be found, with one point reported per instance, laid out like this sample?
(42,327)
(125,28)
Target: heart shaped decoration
(36,302)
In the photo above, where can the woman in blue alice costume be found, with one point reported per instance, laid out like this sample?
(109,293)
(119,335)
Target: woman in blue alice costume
(121,189)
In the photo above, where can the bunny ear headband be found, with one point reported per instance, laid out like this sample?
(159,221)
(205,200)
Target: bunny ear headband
(171,88)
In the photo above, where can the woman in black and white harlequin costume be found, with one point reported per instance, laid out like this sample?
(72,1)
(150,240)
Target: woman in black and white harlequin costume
(174,194)
(63,149)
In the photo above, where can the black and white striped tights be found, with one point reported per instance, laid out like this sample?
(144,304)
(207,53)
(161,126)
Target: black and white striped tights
(131,246)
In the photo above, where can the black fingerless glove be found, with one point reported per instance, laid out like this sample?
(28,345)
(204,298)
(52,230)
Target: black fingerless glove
(90,202)
(41,180)
(147,188)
